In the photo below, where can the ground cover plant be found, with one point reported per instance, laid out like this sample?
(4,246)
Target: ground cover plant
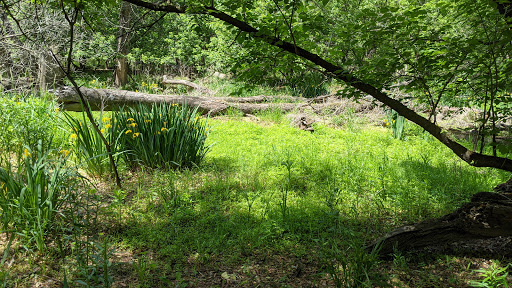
(25,121)
(277,207)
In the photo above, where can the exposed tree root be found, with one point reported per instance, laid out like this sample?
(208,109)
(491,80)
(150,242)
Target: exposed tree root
(482,227)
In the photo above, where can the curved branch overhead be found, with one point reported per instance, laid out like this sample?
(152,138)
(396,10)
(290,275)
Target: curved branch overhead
(471,157)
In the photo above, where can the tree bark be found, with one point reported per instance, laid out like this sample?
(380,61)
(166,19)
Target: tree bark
(482,227)
(110,99)
(123,38)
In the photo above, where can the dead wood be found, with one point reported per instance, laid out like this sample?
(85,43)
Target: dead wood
(482,227)
(111,99)
(187,83)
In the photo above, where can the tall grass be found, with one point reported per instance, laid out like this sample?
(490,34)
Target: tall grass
(162,135)
(90,149)
(25,121)
(32,193)
(397,124)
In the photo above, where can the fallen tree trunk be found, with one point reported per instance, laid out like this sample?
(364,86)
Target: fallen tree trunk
(111,99)
(482,228)
(193,85)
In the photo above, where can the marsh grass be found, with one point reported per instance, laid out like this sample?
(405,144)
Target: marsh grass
(162,135)
(91,152)
(32,195)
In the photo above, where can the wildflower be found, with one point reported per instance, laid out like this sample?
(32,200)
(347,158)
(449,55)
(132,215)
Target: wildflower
(74,129)
(73,136)
(128,132)
(57,110)
(18,103)
(135,135)
(147,121)
(108,126)
(130,120)
(164,129)
(136,90)
(105,119)
(197,118)
(132,125)
(159,133)
(26,153)
(102,131)
(65,152)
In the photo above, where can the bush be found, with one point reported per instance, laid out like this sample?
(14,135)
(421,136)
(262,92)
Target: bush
(163,135)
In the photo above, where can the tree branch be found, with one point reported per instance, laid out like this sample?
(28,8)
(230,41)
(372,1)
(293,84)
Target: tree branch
(472,158)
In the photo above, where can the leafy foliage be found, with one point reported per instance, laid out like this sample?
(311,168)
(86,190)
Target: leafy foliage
(32,196)
(25,122)
(163,135)
(89,148)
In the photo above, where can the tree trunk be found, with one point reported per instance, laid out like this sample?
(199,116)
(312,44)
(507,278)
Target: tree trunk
(112,99)
(123,38)
(5,32)
(482,227)
(192,85)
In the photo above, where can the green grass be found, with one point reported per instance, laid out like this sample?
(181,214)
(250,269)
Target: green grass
(343,189)
(266,201)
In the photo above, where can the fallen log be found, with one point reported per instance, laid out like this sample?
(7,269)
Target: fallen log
(187,83)
(111,99)
(482,227)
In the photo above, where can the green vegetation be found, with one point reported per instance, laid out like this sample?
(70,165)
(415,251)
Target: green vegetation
(90,150)
(166,135)
(239,199)
(26,121)
(306,202)
(32,197)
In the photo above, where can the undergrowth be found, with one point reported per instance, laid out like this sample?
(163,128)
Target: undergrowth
(270,205)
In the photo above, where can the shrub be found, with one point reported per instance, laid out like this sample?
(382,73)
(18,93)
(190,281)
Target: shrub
(162,135)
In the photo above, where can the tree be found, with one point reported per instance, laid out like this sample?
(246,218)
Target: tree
(298,9)
(123,39)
